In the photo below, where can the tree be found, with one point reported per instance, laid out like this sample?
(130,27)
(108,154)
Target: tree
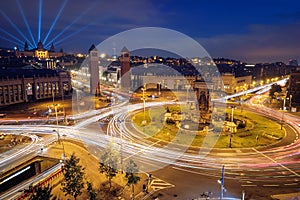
(73,177)
(41,193)
(274,88)
(109,163)
(131,175)
(92,192)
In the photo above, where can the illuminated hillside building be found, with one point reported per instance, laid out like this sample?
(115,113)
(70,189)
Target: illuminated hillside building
(39,52)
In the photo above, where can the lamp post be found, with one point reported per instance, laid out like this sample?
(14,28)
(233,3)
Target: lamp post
(144,102)
(187,92)
(63,146)
(56,116)
(281,124)
(63,105)
(159,85)
(232,109)
(57,131)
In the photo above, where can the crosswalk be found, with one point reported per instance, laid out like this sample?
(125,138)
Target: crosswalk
(158,184)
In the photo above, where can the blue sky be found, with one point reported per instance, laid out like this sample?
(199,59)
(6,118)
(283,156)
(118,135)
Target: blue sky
(250,31)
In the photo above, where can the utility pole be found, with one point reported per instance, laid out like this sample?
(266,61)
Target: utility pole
(281,124)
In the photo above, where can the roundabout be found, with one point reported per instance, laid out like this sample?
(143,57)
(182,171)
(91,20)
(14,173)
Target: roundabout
(273,166)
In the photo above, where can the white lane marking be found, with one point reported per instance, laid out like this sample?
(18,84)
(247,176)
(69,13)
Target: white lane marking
(290,184)
(271,185)
(249,185)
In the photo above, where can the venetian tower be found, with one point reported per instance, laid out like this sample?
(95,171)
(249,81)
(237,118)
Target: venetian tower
(125,69)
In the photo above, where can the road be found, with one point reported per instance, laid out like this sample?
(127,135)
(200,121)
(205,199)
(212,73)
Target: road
(190,170)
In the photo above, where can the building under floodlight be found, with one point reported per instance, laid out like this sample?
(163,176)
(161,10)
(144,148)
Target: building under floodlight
(39,52)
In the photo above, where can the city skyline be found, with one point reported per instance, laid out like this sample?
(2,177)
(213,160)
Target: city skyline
(248,31)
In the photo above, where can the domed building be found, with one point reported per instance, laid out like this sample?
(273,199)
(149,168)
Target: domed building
(39,52)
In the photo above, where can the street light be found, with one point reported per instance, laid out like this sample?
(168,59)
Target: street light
(232,109)
(55,109)
(159,85)
(281,124)
(63,146)
(144,103)
(188,86)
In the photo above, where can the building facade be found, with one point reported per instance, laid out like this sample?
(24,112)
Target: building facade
(23,85)
(293,92)
(234,84)
(39,52)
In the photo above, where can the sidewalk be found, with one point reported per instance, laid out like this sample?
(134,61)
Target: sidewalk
(92,174)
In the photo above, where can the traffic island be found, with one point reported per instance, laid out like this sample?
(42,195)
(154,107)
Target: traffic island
(252,130)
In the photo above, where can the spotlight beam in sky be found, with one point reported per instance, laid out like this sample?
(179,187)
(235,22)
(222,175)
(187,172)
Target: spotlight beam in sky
(25,20)
(11,35)
(15,27)
(40,20)
(67,27)
(72,34)
(9,40)
(55,20)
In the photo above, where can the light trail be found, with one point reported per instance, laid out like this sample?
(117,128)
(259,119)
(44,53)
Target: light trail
(55,20)
(242,165)
(250,90)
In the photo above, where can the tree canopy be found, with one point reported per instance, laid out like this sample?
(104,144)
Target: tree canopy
(275,88)
(109,162)
(41,193)
(73,181)
(131,174)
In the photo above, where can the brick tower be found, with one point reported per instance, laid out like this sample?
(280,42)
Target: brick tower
(94,70)
(125,69)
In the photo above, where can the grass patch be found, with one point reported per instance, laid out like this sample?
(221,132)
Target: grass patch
(259,130)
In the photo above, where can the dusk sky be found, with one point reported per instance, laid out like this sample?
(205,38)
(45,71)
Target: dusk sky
(250,31)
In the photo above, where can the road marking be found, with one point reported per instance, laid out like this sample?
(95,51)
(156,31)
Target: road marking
(249,185)
(266,170)
(277,162)
(158,184)
(290,184)
(271,185)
